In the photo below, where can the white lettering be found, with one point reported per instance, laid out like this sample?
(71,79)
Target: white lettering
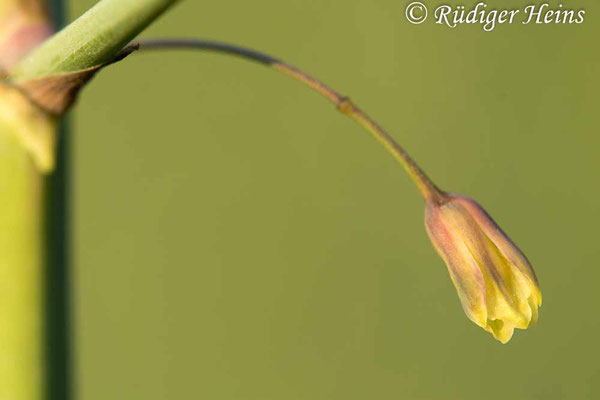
(441,16)
(489,19)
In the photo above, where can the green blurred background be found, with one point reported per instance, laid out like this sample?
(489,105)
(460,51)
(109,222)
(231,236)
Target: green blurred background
(236,238)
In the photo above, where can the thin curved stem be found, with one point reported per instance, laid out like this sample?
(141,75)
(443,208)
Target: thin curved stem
(427,188)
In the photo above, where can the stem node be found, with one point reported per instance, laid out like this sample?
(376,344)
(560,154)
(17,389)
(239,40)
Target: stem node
(346,106)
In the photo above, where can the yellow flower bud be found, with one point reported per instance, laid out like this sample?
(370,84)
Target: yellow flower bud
(495,282)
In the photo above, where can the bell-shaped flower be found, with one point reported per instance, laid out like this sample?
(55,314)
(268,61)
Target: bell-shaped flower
(495,282)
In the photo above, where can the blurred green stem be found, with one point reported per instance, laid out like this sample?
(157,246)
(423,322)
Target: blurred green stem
(24,220)
(21,185)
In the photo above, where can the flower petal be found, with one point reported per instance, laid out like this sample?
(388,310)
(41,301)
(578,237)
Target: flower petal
(464,271)
(502,242)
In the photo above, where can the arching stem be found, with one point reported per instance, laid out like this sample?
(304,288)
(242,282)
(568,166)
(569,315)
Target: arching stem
(427,188)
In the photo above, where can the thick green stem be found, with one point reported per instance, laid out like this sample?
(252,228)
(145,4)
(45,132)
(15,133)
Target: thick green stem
(24,128)
(21,357)
(94,38)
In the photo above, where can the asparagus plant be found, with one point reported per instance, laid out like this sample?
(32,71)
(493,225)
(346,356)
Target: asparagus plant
(41,78)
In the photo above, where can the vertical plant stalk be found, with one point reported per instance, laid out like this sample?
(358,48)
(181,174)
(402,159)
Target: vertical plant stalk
(23,25)
(33,208)
(21,258)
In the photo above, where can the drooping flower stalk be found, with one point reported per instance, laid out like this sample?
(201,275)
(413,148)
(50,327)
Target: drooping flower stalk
(495,282)
(343,103)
